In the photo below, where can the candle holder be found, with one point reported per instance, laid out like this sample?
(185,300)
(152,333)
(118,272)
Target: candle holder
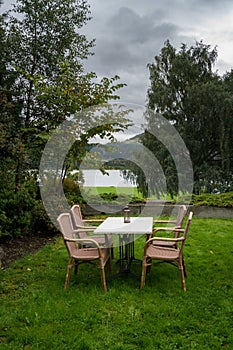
(126,214)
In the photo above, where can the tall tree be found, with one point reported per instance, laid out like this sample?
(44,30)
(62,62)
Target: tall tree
(10,123)
(42,83)
(46,50)
(41,34)
(197,101)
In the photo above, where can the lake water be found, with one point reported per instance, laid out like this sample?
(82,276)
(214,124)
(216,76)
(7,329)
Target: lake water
(95,178)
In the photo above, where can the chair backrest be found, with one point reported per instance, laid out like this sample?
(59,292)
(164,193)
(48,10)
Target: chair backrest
(77,219)
(186,230)
(66,228)
(77,216)
(181,215)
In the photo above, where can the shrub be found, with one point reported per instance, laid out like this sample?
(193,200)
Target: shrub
(40,219)
(16,212)
(224,200)
(72,191)
(214,200)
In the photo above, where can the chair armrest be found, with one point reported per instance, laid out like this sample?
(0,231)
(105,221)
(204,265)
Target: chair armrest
(85,228)
(150,240)
(165,228)
(164,221)
(84,241)
(165,239)
(169,229)
(94,220)
(81,240)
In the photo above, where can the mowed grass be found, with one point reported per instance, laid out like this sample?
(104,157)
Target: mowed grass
(112,189)
(122,193)
(37,313)
(119,191)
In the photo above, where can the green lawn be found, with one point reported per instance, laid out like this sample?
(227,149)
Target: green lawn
(112,189)
(116,194)
(125,194)
(36,312)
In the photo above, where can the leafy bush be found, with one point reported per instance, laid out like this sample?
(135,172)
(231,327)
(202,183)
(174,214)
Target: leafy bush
(136,199)
(72,191)
(121,198)
(40,219)
(214,200)
(16,212)
(224,200)
(109,197)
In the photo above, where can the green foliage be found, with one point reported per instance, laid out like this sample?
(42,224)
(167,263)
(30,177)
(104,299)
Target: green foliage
(22,212)
(120,198)
(40,38)
(70,92)
(119,195)
(109,197)
(42,83)
(40,221)
(45,49)
(16,212)
(72,191)
(125,195)
(197,101)
(224,200)
(36,312)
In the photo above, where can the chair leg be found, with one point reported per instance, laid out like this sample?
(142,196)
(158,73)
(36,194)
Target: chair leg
(143,277)
(69,266)
(149,264)
(109,265)
(112,252)
(76,267)
(103,279)
(182,279)
(184,267)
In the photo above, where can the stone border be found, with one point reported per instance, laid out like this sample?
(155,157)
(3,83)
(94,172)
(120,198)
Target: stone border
(167,209)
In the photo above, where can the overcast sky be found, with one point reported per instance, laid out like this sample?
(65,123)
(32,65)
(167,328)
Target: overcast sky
(130,33)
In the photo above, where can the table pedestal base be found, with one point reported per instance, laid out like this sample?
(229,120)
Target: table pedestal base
(126,255)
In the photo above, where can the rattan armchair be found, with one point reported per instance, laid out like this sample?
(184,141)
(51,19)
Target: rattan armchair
(77,253)
(81,224)
(172,255)
(171,230)
(179,219)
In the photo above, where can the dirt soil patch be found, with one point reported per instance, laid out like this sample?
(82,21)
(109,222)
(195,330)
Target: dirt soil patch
(15,248)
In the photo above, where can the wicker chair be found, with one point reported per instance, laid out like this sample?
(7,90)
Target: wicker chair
(80,224)
(172,255)
(79,254)
(173,230)
(179,219)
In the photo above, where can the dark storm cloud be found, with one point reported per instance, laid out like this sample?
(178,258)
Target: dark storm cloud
(129,33)
(211,3)
(131,40)
(127,42)
(130,25)
(126,48)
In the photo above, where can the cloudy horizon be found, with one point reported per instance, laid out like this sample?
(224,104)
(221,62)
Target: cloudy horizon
(129,34)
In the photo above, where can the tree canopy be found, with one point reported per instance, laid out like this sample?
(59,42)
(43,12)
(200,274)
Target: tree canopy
(44,53)
(198,102)
(43,83)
